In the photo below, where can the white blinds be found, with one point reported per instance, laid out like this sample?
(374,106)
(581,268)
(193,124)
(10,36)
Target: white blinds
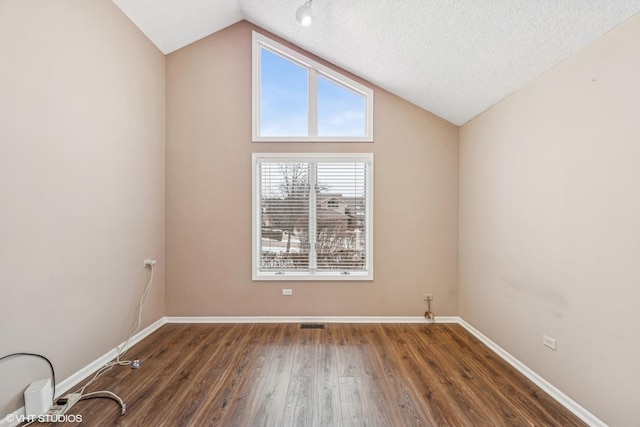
(340,216)
(313,214)
(284,208)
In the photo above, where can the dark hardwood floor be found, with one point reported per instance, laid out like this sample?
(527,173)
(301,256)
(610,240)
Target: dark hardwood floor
(344,375)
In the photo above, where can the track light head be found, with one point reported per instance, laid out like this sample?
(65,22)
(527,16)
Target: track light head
(303,14)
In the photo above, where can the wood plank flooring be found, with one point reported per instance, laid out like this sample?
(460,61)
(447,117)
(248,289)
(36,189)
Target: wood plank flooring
(344,375)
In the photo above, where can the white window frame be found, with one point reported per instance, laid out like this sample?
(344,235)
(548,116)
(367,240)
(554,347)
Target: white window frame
(314,69)
(257,275)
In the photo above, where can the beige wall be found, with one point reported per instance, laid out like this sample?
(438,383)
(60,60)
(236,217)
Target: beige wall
(81,184)
(209,198)
(549,184)
(550,225)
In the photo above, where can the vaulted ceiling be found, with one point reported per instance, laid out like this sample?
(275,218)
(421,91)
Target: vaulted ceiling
(454,58)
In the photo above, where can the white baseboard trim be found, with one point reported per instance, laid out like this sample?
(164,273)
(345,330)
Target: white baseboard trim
(13,419)
(66,384)
(551,390)
(308,319)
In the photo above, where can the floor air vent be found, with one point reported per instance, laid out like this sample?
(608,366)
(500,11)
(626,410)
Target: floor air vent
(312,326)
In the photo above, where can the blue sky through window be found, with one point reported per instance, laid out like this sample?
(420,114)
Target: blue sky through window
(340,111)
(284,96)
(284,102)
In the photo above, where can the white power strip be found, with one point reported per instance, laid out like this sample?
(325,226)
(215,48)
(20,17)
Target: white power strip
(62,406)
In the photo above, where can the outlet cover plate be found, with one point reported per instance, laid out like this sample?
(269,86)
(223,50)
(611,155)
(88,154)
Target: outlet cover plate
(549,342)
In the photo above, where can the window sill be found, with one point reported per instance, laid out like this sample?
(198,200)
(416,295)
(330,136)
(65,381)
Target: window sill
(306,276)
(312,139)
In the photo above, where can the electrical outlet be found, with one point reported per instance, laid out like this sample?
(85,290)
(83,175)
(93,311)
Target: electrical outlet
(427,297)
(287,292)
(549,342)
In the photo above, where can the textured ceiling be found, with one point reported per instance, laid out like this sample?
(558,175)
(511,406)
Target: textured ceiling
(454,58)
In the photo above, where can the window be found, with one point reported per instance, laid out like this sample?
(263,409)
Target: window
(298,99)
(333,203)
(312,216)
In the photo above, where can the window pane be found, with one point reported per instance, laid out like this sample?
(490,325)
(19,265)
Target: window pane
(284,202)
(341,216)
(341,112)
(312,216)
(284,99)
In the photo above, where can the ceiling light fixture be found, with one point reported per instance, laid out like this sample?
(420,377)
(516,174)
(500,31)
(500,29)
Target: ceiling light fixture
(303,14)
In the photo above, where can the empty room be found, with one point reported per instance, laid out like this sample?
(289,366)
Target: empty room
(319,213)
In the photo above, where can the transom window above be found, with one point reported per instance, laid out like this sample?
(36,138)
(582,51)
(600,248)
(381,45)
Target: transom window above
(312,216)
(298,99)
